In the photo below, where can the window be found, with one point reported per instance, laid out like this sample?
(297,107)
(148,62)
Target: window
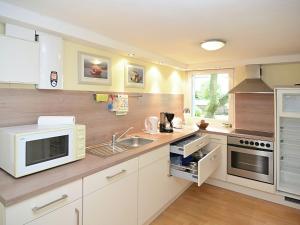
(210,99)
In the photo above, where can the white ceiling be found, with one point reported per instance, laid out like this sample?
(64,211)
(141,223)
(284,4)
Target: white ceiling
(175,28)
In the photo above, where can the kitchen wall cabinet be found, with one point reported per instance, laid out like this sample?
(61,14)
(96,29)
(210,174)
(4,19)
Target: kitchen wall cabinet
(221,171)
(156,187)
(111,195)
(19,61)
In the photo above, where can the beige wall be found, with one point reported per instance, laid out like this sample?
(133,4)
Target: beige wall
(159,78)
(281,74)
(273,74)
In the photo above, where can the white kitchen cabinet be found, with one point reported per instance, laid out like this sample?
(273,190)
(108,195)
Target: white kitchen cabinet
(19,61)
(62,205)
(221,171)
(113,199)
(156,187)
(198,142)
(206,165)
(70,214)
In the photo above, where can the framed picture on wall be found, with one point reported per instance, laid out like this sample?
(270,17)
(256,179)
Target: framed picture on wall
(93,69)
(134,76)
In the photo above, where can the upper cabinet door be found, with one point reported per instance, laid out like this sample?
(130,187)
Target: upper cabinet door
(288,103)
(19,61)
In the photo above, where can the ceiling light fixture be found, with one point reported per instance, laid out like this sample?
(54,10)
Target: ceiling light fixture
(212,45)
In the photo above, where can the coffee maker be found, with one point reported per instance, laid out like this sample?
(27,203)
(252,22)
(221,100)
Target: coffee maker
(166,125)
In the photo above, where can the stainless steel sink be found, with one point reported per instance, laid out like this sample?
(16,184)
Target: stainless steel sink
(134,142)
(107,149)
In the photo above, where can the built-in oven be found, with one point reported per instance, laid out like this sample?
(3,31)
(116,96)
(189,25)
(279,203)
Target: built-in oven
(252,159)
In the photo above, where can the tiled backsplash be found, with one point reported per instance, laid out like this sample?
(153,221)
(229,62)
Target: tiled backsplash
(254,112)
(23,106)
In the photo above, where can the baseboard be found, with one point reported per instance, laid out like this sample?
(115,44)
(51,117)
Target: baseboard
(252,184)
(276,198)
(149,221)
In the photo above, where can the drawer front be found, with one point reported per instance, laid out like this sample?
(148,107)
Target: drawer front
(219,139)
(108,176)
(70,214)
(196,145)
(45,203)
(209,163)
(184,175)
(153,156)
(206,165)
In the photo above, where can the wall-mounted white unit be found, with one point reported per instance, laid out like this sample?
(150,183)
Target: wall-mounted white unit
(51,62)
(19,61)
(23,33)
(288,140)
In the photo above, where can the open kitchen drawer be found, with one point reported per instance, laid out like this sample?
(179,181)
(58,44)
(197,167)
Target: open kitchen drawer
(189,145)
(206,164)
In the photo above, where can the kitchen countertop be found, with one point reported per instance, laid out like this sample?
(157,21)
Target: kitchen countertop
(14,190)
(232,132)
(217,130)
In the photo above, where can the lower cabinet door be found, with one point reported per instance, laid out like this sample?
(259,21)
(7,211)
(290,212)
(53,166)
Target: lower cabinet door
(153,189)
(70,214)
(156,188)
(221,171)
(113,204)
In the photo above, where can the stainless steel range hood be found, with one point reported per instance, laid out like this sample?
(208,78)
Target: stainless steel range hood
(253,82)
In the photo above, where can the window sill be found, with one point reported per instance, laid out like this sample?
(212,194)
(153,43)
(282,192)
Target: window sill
(212,122)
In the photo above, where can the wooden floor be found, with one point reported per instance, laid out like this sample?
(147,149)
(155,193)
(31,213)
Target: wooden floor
(209,205)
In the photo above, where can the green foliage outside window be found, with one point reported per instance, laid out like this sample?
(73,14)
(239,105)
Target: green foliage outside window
(210,91)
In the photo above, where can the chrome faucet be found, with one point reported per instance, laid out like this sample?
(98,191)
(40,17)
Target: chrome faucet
(114,139)
(125,132)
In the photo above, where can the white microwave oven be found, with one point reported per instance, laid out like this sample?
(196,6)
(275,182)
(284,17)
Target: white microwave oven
(32,148)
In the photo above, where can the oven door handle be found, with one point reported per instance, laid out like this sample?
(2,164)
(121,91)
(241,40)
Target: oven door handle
(250,151)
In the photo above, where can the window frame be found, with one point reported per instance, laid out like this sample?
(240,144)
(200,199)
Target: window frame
(199,73)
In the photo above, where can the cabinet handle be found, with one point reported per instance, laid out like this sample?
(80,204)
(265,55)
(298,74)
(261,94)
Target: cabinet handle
(169,174)
(37,208)
(77,216)
(117,174)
